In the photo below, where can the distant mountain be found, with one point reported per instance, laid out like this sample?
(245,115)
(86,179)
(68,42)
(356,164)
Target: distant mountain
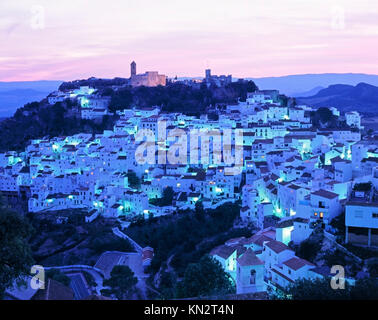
(294,84)
(310,93)
(14,95)
(362,97)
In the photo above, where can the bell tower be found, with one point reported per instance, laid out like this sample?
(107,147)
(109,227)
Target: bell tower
(133,69)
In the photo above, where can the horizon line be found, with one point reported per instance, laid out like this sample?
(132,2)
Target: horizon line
(194,77)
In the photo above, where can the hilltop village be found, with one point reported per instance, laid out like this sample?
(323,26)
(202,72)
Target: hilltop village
(297,178)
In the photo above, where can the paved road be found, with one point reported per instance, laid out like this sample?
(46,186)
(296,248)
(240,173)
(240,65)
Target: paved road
(78,286)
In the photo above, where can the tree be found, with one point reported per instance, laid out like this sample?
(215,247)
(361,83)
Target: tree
(168,194)
(315,289)
(205,278)
(133,179)
(308,249)
(199,209)
(122,283)
(320,289)
(15,253)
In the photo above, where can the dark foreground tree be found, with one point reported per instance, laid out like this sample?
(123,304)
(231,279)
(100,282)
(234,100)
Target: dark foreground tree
(122,283)
(320,289)
(15,255)
(205,278)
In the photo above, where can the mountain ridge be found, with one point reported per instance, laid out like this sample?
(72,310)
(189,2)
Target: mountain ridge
(362,97)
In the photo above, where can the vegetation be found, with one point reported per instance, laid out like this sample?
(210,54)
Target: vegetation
(166,236)
(320,289)
(15,254)
(373,267)
(122,283)
(38,119)
(308,249)
(176,97)
(100,84)
(323,117)
(73,241)
(134,181)
(204,279)
(365,187)
(166,199)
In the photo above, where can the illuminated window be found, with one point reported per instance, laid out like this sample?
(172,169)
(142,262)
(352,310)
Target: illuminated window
(321,214)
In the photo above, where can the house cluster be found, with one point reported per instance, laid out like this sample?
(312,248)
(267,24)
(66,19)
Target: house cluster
(92,105)
(290,169)
(263,262)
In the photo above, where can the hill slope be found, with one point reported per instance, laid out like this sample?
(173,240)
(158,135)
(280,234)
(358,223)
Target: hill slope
(363,97)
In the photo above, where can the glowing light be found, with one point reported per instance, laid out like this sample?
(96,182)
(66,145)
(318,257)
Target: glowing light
(145,211)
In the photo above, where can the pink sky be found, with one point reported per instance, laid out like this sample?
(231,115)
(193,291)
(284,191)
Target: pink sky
(76,39)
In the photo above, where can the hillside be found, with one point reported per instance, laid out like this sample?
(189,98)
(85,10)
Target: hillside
(39,119)
(362,97)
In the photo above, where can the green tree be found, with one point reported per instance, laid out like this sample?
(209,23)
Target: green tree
(314,289)
(205,278)
(199,209)
(308,249)
(15,253)
(320,289)
(167,197)
(122,283)
(133,179)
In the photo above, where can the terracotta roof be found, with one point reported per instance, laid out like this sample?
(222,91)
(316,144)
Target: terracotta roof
(258,239)
(277,246)
(249,258)
(297,263)
(325,194)
(223,251)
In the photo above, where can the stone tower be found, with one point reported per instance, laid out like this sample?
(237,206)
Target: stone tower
(208,74)
(133,68)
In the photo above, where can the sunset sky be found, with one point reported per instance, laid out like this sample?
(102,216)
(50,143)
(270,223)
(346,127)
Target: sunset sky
(76,39)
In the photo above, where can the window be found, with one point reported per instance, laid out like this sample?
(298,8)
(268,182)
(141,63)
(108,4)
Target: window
(321,215)
(358,214)
(252,278)
(375,215)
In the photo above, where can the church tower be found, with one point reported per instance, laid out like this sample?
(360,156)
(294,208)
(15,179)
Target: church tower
(133,68)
